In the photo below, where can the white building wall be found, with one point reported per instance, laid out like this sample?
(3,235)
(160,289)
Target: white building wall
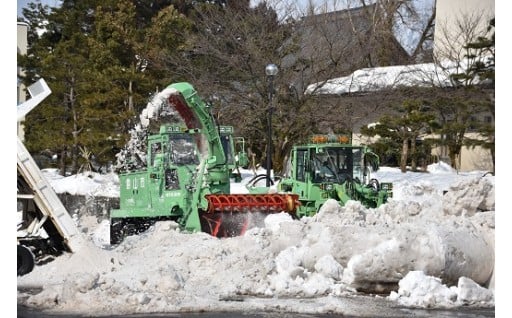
(22,45)
(470,159)
(459,22)
(476,158)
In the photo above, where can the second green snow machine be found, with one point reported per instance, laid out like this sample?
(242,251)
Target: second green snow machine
(330,167)
(190,164)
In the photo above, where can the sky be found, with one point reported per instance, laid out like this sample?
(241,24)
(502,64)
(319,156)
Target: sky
(438,227)
(23,3)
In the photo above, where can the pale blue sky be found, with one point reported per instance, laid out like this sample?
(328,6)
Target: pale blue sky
(22,3)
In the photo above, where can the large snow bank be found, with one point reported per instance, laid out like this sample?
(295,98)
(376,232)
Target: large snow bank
(87,183)
(425,250)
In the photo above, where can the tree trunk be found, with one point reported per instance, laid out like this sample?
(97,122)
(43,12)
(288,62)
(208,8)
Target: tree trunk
(74,147)
(454,154)
(130,96)
(453,160)
(405,151)
(493,154)
(62,162)
(413,154)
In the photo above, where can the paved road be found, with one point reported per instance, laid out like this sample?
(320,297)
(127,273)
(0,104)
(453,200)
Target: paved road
(463,312)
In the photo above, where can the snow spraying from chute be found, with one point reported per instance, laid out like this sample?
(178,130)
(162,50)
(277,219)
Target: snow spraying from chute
(158,110)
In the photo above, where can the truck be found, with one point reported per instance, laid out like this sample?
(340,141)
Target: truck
(45,229)
(190,165)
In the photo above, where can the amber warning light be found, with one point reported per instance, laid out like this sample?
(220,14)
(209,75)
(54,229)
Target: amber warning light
(323,139)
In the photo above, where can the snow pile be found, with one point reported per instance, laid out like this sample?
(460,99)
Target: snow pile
(419,290)
(86,183)
(432,251)
(440,167)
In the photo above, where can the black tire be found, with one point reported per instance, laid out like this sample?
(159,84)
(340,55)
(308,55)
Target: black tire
(120,228)
(116,231)
(26,260)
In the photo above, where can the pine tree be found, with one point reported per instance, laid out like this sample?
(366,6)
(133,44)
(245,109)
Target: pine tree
(484,69)
(60,56)
(99,59)
(415,120)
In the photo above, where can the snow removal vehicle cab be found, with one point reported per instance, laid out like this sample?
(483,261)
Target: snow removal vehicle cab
(187,177)
(330,167)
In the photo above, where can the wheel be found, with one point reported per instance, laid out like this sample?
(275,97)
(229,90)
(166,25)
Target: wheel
(116,231)
(26,260)
(120,228)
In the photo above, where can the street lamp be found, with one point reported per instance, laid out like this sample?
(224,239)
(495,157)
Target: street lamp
(271,71)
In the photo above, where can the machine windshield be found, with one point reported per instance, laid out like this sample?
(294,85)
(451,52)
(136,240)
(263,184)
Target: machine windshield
(183,150)
(337,164)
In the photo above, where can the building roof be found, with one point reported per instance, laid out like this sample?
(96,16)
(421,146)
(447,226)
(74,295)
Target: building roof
(390,77)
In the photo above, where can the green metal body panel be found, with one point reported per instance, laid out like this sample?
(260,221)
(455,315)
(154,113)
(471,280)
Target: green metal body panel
(333,170)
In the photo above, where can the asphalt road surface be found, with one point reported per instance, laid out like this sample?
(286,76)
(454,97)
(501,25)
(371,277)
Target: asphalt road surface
(462,312)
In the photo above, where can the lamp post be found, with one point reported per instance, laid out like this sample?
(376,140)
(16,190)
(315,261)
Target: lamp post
(271,71)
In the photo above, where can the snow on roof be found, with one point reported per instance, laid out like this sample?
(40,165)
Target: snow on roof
(389,77)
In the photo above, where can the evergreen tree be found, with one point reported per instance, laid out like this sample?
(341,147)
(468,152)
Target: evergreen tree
(59,55)
(101,69)
(484,70)
(404,130)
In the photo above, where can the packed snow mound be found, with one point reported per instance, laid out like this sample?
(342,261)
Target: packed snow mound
(440,167)
(86,183)
(469,197)
(410,250)
(419,290)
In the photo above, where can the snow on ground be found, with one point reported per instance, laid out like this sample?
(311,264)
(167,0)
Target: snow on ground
(87,183)
(431,246)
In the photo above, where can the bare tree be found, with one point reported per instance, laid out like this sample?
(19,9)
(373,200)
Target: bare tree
(226,58)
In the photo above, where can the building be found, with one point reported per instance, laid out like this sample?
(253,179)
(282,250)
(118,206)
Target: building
(337,43)
(457,22)
(22,45)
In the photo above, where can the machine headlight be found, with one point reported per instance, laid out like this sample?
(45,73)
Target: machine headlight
(386,186)
(329,187)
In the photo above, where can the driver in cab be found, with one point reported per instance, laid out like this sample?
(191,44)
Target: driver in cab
(325,171)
